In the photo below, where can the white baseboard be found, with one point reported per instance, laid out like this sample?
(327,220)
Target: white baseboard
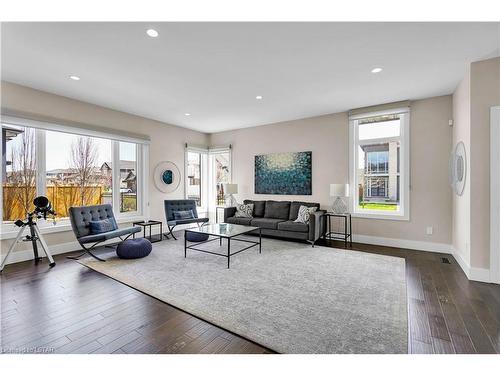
(472,273)
(435,247)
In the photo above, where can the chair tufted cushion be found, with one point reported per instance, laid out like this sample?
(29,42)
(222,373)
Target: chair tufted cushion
(176,205)
(136,248)
(80,217)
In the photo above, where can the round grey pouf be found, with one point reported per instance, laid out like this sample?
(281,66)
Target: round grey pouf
(135,248)
(196,237)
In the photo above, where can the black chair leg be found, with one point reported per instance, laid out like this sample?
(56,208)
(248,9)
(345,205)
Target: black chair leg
(76,256)
(172,233)
(87,251)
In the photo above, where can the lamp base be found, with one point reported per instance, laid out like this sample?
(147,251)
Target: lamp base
(339,206)
(230,201)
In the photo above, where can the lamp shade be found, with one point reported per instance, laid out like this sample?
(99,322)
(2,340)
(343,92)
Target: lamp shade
(231,188)
(339,190)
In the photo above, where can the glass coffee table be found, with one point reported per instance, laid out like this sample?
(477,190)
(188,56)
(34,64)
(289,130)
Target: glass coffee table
(230,232)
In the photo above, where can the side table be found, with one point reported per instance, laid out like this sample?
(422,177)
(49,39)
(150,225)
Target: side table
(346,235)
(145,224)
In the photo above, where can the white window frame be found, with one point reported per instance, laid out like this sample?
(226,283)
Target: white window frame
(405,186)
(9,230)
(203,208)
(212,175)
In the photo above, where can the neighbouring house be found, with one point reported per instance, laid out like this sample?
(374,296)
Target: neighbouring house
(127,174)
(381,172)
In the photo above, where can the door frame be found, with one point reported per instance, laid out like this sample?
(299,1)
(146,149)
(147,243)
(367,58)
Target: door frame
(495,198)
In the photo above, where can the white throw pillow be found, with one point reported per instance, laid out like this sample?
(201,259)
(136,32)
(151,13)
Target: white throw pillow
(244,210)
(304,214)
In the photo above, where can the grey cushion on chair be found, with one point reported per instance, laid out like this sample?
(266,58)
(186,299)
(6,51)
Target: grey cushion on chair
(109,235)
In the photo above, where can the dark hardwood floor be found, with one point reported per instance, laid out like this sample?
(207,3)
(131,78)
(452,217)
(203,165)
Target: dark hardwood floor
(72,309)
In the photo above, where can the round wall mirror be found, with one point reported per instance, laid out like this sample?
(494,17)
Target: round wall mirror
(167,177)
(458,166)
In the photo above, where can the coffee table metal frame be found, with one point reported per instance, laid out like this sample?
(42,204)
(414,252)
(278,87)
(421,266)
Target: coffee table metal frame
(220,237)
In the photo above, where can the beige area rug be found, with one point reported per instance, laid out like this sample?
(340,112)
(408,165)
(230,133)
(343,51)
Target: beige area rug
(292,298)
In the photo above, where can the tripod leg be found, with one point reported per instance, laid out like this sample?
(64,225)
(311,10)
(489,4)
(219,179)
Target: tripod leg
(44,247)
(19,235)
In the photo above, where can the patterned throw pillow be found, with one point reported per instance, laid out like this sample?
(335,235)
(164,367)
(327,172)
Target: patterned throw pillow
(183,215)
(102,226)
(304,214)
(244,210)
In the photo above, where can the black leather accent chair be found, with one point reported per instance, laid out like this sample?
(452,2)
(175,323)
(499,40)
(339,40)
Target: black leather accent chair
(175,205)
(80,218)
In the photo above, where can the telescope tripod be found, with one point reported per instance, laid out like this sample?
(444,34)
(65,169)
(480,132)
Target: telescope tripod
(33,237)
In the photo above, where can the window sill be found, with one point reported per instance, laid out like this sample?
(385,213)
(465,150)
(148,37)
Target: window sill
(10,231)
(380,216)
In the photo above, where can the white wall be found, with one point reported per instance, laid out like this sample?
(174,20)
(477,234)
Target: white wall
(484,94)
(167,141)
(327,138)
(461,204)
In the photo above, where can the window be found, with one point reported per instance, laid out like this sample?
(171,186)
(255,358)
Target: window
(78,177)
(70,169)
(221,174)
(206,171)
(193,176)
(128,177)
(19,172)
(379,164)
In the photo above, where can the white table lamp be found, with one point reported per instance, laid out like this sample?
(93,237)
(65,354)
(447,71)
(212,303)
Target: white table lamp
(340,192)
(229,190)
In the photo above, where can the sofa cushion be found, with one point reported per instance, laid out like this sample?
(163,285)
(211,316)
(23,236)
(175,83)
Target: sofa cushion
(239,220)
(268,223)
(277,210)
(294,208)
(259,207)
(293,226)
(304,214)
(244,210)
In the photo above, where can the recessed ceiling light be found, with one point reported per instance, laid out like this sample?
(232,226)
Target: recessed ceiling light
(152,33)
(258,97)
(74,78)
(187,114)
(376,70)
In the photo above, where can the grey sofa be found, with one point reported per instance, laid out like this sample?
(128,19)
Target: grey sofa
(276,218)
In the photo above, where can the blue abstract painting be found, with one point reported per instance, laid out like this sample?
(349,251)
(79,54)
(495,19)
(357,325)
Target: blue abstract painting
(288,173)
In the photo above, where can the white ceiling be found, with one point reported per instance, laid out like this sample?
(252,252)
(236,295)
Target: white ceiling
(215,70)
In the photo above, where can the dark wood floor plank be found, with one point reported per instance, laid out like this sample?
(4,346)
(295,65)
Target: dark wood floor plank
(73,309)
(442,346)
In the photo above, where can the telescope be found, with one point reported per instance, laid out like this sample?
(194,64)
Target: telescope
(43,207)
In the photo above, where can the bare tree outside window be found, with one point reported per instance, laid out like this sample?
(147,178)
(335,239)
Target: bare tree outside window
(20,185)
(83,161)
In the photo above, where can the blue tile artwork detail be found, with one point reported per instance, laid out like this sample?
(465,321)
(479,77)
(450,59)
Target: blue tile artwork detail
(288,173)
